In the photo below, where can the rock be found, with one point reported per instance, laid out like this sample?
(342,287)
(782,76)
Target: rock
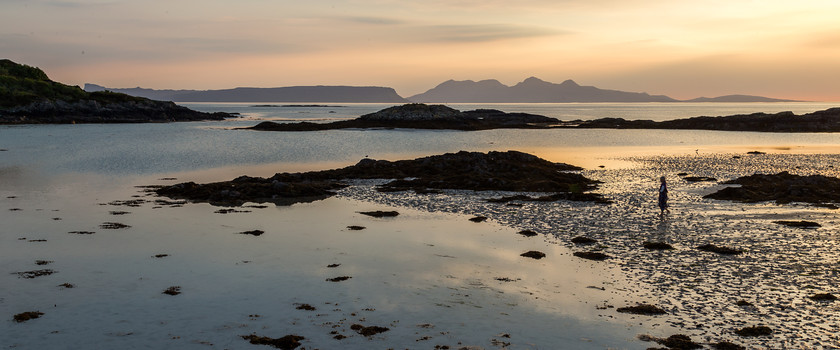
(306,307)
(699,178)
(583,240)
(113,226)
(478,219)
(533,254)
(800,224)
(355,228)
(380,213)
(252,232)
(598,256)
(823,297)
(680,341)
(26,316)
(287,342)
(642,309)
(339,279)
(493,171)
(720,250)
(368,331)
(782,188)
(35,273)
(422,116)
(754,331)
(527,233)
(725,345)
(658,246)
(820,121)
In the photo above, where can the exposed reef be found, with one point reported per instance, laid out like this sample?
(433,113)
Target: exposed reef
(493,171)
(783,188)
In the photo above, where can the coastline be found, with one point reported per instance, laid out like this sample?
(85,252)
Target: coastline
(205,248)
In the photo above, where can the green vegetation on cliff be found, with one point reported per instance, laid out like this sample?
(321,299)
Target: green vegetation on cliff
(21,85)
(28,96)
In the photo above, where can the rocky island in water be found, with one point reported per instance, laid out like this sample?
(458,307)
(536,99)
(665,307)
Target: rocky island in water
(498,171)
(422,116)
(28,96)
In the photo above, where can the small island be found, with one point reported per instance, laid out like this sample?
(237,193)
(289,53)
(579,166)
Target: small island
(493,171)
(423,116)
(438,117)
(28,96)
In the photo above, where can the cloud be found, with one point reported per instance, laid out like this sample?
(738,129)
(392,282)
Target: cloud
(481,32)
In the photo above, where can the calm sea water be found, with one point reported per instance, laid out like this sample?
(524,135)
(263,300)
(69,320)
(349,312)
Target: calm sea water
(126,149)
(55,179)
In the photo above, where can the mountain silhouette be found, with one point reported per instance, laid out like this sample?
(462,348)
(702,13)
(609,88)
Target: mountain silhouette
(366,94)
(531,90)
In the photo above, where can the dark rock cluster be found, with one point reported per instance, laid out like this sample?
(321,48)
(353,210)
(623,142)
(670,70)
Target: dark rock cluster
(493,171)
(782,188)
(422,116)
(92,111)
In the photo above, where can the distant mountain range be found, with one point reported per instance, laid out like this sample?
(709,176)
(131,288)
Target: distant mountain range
(531,90)
(369,94)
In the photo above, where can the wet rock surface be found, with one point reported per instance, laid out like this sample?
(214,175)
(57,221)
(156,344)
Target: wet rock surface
(368,331)
(533,254)
(720,250)
(754,331)
(801,223)
(702,291)
(783,188)
(380,213)
(287,342)
(642,309)
(493,171)
(26,316)
(597,256)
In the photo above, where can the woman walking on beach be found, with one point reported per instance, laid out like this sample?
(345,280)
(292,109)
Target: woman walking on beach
(663,195)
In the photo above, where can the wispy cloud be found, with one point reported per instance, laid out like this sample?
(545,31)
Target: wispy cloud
(481,32)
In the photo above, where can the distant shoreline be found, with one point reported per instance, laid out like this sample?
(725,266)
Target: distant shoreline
(434,117)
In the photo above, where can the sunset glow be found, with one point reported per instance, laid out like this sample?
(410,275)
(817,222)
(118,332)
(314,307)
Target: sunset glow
(682,49)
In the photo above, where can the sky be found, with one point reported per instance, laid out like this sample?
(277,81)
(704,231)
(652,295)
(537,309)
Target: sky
(680,48)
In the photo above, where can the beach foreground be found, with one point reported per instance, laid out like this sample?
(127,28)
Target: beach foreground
(430,275)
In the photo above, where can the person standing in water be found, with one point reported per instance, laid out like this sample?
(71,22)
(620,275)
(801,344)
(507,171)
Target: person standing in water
(663,195)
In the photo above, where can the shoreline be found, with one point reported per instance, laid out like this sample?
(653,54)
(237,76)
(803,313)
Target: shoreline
(670,280)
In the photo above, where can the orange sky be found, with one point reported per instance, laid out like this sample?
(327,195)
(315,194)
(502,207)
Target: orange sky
(683,49)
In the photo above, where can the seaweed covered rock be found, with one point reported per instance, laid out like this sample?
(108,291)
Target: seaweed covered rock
(642,309)
(287,342)
(783,188)
(493,171)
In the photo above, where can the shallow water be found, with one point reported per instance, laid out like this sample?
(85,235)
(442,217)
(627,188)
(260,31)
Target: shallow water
(428,266)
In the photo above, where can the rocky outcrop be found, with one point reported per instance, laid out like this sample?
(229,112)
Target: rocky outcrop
(497,171)
(820,121)
(93,111)
(422,116)
(782,188)
(28,96)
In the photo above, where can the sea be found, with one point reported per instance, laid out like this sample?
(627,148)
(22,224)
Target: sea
(431,276)
(131,149)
